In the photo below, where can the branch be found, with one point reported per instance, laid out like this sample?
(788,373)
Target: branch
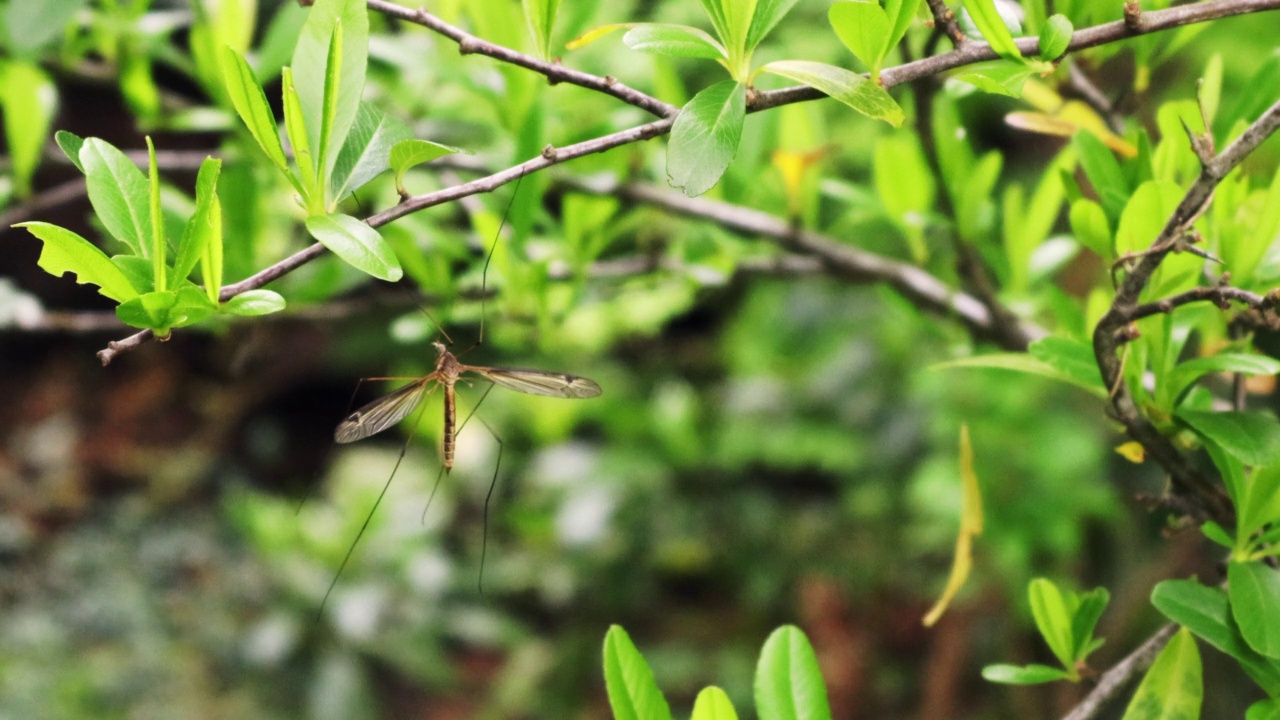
(840,258)
(1116,678)
(945,20)
(43,201)
(555,72)
(1112,329)
(971,52)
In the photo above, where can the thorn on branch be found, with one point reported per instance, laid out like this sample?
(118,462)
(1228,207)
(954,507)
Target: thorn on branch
(467,46)
(1130,332)
(554,78)
(1201,143)
(549,152)
(1133,21)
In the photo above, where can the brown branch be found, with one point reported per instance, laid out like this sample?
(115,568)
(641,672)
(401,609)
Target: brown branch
(1220,295)
(971,52)
(921,288)
(1115,679)
(945,20)
(555,72)
(1093,96)
(42,202)
(1111,329)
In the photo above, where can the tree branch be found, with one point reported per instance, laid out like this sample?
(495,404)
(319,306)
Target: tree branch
(555,72)
(1111,331)
(971,52)
(1115,679)
(921,288)
(945,20)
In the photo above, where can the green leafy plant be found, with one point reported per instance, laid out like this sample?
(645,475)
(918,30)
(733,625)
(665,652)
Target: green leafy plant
(339,143)
(788,682)
(1066,620)
(706,133)
(149,279)
(1007,75)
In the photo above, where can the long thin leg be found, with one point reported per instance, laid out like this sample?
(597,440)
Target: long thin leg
(367,518)
(350,403)
(484,538)
(484,276)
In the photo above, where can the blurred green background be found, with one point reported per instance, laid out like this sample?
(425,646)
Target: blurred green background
(769,448)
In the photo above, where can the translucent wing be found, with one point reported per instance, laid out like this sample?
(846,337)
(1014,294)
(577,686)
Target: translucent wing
(539,382)
(382,413)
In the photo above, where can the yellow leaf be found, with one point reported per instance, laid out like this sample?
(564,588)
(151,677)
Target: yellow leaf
(595,34)
(970,527)
(1133,451)
(793,165)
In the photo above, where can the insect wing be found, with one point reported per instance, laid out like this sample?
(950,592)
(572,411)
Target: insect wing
(381,413)
(539,382)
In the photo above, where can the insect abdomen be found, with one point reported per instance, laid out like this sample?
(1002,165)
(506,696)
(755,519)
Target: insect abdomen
(450,411)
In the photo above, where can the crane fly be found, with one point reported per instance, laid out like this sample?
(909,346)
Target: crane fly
(394,407)
(391,409)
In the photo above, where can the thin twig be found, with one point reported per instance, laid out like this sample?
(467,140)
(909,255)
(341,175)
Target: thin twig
(921,288)
(971,52)
(555,72)
(945,20)
(1092,95)
(1109,333)
(42,202)
(1115,679)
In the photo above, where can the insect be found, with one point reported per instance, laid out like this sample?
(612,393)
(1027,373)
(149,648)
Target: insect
(394,407)
(390,409)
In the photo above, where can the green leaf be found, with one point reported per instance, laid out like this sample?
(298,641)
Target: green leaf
(251,105)
(162,310)
(158,242)
(975,193)
(211,258)
(253,302)
(1023,674)
(1231,470)
(991,25)
(673,40)
(633,694)
(200,226)
(737,18)
(30,100)
(541,17)
(1089,226)
(1254,591)
(713,704)
(1252,437)
(367,152)
(310,69)
(66,252)
(1206,612)
(357,244)
(863,27)
(119,193)
(1021,362)
(327,154)
(1184,374)
(1216,533)
(789,682)
(409,153)
(1053,619)
(900,13)
(767,15)
(705,137)
(30,24)
(1174,686)
(846,86)
(70,144)
(150,310)
(1055,36)
(295,126)
(906,187)
(1263,710)
(1104,173)
(1001,77)
(1260,501)
(1072,357)
(1085,618)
